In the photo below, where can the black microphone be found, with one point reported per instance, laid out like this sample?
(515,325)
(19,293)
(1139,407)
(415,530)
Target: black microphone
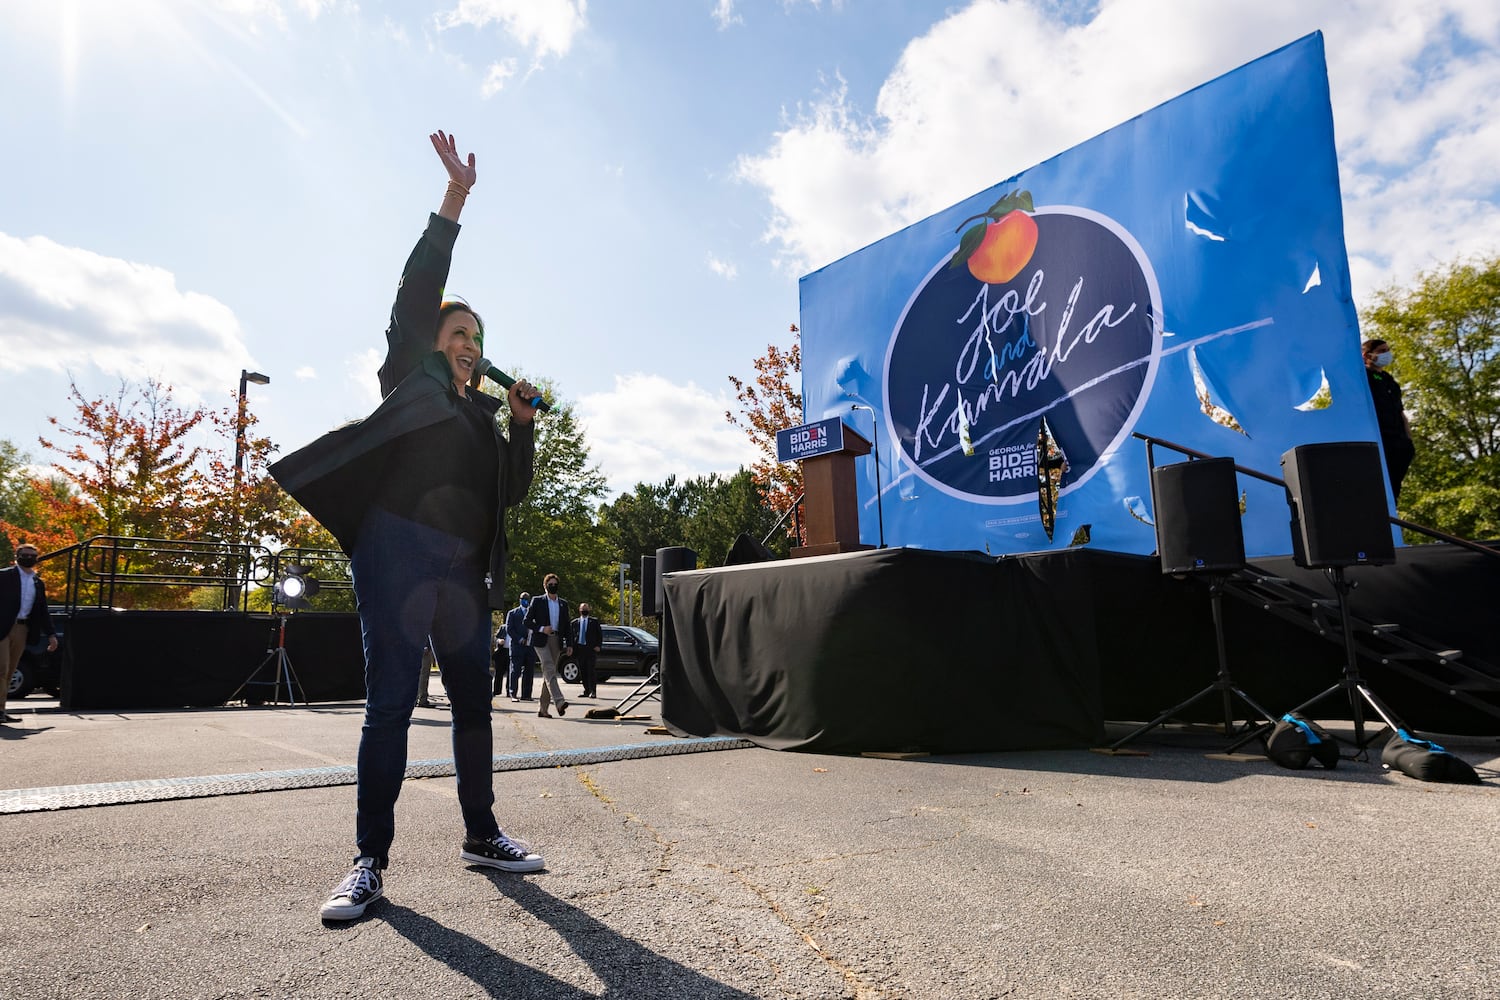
(484,367)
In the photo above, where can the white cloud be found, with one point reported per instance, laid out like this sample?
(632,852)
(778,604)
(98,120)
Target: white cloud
(363,372)
(251,11)
(547,27)
(305,372)
(495,79)
(647,428)
(67,309)
(1416,92)
(723,268)
(724,15)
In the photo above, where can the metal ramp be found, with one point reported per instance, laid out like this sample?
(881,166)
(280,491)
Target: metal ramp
(1394,647)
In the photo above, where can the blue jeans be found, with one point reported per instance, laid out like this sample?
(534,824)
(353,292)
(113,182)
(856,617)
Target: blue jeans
(412,582)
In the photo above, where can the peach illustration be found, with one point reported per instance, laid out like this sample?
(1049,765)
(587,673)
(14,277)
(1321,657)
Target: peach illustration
(1008,245)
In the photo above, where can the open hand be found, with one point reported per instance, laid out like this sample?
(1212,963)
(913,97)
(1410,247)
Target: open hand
(447,150)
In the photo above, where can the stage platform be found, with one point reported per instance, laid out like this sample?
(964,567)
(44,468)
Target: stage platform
(899,650)
(186,659)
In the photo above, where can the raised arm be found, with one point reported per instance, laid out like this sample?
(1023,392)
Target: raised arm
(414,315)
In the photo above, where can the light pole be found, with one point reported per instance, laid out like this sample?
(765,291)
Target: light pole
(246,377)
(875,442)
(624,610)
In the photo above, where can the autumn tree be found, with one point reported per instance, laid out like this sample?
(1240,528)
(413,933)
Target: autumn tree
(41,510)
(128,455)
(1445,334)
(769,404)
(244,508)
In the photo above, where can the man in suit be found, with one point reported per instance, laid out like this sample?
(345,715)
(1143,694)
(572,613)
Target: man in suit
(23,612)
(547,618)
(522,656)
(587,637)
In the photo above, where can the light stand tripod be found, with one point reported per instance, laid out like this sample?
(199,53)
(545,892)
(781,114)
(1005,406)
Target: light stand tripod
(1223,683)
(1351,681)
(283,671)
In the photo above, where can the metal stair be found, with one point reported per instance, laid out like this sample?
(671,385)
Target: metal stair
(1420,658)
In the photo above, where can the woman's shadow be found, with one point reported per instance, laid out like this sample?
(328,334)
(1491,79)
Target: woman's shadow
(626,968)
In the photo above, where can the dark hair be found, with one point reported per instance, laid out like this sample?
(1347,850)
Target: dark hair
(454,305)
(1372,342)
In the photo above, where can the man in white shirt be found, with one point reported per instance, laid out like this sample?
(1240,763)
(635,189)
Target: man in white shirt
(23,612)
(547,618)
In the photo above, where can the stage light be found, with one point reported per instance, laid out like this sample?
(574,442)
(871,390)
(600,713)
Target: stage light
(296,587)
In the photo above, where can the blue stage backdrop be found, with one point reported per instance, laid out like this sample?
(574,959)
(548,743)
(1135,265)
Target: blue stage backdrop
(1182,275)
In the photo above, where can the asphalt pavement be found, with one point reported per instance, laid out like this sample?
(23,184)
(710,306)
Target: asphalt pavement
(736,872)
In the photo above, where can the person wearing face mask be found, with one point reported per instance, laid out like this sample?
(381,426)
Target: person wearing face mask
(588,638)
(522,656)
(1390,415)
(547,618)
(416,494)
(23,613)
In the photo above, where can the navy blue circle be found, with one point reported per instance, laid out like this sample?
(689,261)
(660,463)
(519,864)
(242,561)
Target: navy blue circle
(1081,361)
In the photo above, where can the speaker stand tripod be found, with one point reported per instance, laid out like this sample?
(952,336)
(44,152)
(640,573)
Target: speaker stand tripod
(283,672)
(1223,684)
(1351,683)
(644,692)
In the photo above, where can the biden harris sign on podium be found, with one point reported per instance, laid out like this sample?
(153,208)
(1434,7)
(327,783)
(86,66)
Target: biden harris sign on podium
(793,444)
(1182,276)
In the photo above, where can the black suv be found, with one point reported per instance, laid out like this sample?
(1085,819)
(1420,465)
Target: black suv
(626,650)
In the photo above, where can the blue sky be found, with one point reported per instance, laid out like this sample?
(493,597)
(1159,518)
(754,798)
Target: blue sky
(189,187)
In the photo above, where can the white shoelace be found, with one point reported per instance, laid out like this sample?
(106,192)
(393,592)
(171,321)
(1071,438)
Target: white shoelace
(357,882)
(511,845)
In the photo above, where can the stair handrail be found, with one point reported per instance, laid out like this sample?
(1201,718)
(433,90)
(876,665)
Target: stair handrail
(1420,529)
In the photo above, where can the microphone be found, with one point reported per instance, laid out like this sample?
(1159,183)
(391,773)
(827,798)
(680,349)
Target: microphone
(484,367)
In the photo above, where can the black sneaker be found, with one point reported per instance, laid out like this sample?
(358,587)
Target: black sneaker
(359,889)
(500,851)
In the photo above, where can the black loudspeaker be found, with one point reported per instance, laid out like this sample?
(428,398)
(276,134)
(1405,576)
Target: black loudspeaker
(1198,517)
(1336,492)
(649,584)
(671,559)
(748,549)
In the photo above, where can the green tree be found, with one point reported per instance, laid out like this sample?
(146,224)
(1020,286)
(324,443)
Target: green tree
(706,514)
(13,477)
(553,529)
(647,518)
(1445,333)
(718,510)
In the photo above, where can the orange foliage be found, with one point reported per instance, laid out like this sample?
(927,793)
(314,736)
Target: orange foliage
(768,405)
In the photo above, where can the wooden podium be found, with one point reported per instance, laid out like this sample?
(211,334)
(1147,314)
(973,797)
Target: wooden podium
(831,498)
